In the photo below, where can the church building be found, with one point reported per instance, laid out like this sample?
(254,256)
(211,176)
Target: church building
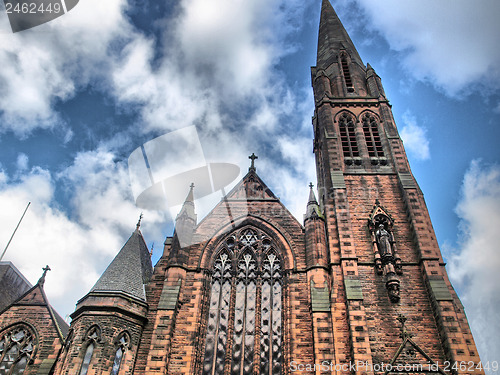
(358,287)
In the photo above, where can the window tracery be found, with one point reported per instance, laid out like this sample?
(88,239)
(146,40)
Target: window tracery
(93,337)
(372,137)
(246,279)
(17,348)
(122,344)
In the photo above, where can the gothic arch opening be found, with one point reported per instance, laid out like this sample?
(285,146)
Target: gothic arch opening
(372,136)
(348,137)
(244,321)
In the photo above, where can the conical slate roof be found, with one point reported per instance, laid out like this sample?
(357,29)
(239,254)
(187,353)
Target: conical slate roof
(332,38)
(130,270)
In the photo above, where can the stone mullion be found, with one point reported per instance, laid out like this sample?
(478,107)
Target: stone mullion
(256,343)
(362,146)
(230,327)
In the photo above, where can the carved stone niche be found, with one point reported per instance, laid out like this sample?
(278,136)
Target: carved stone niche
(387,260)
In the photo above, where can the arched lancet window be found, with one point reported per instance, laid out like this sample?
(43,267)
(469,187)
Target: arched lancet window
(93,337)
(247,280)
(347,74)
(244,314)
(122,344)
(218,314)
(372,136)
(17,348)
(270,340)
(348,136)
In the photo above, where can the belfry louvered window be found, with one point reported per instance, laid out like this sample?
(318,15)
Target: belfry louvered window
(372,136)
(246,284)
(347,74)
(348,136)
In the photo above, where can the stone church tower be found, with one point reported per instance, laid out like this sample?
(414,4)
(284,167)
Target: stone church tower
(358,287)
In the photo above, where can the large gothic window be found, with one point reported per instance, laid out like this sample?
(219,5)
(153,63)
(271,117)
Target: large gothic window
(17,348)
(246,284)
(372,136)
(348,136)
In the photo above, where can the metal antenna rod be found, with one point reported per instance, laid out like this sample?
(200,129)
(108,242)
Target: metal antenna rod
(8,243)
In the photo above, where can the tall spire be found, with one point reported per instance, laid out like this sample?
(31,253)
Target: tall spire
(333,38)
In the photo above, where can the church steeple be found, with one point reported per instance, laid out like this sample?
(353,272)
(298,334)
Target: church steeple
(339,70)
(333,38)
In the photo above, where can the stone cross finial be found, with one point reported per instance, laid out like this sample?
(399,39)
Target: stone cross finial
(41,281)
(139,222)
(252,157)
(192,185)
(311,185)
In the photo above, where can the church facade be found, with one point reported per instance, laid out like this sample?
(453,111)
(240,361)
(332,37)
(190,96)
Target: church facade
(359,286)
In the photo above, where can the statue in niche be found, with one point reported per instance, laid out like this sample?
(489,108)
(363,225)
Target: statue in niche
(387,261)
(384,241)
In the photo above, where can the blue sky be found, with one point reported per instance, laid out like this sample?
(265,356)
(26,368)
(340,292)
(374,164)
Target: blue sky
(79,94)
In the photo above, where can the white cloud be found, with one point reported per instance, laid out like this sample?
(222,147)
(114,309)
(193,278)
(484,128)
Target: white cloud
(49,64)
(475,264)
(450,44)
(77,246)
(415,137)
(22,162)
(216,57)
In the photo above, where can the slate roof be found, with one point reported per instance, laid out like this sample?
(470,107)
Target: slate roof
(129,271)
(61,326)
(12,284)
(332,38)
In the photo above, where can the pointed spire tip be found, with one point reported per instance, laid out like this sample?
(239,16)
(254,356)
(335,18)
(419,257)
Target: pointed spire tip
(138,225)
